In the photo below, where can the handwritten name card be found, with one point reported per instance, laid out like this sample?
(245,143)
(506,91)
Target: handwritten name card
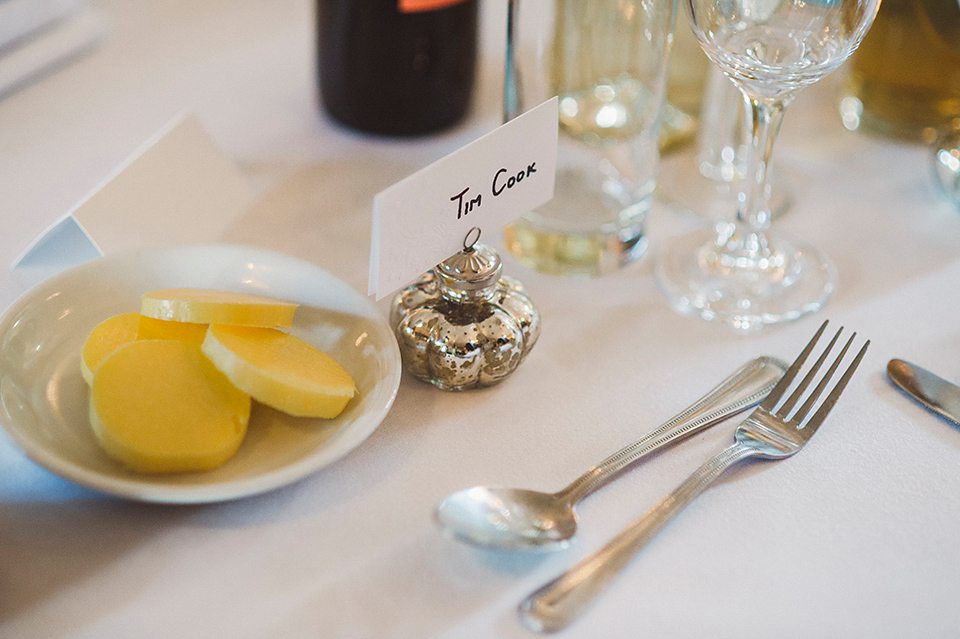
(423,219)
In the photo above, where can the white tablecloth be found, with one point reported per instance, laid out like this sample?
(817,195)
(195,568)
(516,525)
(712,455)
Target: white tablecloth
(855,537)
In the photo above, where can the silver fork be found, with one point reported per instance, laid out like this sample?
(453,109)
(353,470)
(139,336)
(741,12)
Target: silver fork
(768,432)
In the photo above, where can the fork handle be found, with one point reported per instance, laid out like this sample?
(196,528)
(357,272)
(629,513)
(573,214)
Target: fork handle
(742,389)
(559,602)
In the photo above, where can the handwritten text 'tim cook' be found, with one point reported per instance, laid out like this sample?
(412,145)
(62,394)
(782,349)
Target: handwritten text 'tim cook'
(501,182)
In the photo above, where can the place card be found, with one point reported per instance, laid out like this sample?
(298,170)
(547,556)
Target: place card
(178,187)
(423,219)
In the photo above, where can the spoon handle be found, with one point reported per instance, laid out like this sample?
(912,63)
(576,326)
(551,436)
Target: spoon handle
(558,603)
(744,388)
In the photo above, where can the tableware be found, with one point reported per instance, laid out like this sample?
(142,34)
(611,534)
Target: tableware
(946,164)
(946,152)
(43,398)
(516,519)
(768,432)
(740,271)
(707,182)
(686,79)
(606,60)
(904,79)
(934,392)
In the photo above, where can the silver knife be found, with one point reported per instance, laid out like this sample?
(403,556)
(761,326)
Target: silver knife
(935,393)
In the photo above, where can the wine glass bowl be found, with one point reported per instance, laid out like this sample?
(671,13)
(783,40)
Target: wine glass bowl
(775,59)
(740,271)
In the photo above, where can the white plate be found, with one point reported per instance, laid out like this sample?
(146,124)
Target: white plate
(43,398)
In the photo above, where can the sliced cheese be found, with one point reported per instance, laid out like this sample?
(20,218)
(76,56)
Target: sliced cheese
(151,328)
(160,406)
(202,306)
(280,370)
(104,339)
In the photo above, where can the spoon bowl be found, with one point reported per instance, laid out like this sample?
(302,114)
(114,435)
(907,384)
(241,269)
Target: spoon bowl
(508,518)
(515,519)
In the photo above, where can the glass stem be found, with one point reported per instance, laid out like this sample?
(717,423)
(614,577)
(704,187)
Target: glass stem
(763,117)
(512,103)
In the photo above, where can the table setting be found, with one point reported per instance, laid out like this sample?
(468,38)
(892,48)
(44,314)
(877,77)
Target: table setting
(532,420)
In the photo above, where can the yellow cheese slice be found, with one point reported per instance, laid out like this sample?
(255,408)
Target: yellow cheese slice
(105,338)
(151,328)
(280,370)
(160,406)
(202,306)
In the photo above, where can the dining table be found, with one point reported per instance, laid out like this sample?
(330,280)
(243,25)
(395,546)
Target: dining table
(856,536)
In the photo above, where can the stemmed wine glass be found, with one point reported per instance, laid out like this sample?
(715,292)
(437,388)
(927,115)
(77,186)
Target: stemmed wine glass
(705,183)
(741,271)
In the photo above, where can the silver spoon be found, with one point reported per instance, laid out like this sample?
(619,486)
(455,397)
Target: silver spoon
(517,519)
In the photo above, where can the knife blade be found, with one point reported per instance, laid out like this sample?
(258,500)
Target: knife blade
(932,391)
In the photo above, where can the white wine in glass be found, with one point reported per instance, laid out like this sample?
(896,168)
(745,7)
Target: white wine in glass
(606,61)
(740,271)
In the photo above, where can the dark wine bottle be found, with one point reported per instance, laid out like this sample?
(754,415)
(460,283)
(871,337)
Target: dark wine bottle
(397,67)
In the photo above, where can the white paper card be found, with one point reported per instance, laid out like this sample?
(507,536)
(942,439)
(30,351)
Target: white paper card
(423,219)
(178,187)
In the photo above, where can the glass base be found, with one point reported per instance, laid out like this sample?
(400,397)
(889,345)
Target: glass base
(574,254)
(591,227)
(745,293)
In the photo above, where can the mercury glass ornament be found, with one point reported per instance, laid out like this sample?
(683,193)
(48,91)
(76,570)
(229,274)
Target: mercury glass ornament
(463,324)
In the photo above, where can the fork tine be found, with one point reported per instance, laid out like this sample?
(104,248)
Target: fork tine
(798,393)
(771,401)
(831,399)
(800,414)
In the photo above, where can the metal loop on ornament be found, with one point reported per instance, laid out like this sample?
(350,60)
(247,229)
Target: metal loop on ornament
(468,245)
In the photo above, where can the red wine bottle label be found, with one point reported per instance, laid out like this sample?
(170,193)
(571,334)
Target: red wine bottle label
(414,6)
